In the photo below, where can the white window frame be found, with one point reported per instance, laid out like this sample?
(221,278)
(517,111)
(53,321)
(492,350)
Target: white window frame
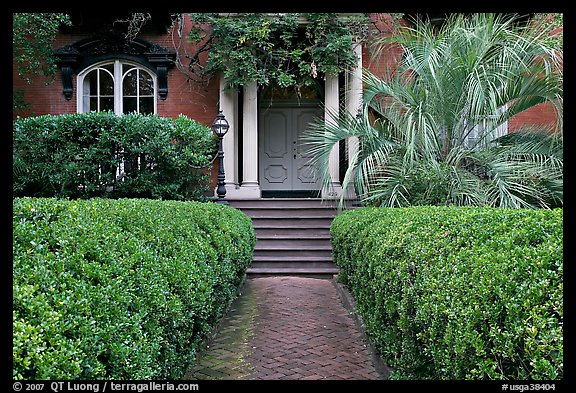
(118,78)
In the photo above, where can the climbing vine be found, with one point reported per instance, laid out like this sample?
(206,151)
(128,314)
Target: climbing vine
(289,50)
(552,24)
(32,37)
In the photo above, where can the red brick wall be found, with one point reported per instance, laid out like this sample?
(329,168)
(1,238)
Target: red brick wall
(43,99)
(542,115)
(200,101)
(380,62)
(197,101)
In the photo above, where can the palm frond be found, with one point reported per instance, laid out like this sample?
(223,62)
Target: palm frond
(527,173)
(322,136)
(440,112)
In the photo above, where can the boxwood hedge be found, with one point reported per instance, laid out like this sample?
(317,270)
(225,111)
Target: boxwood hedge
(457,293)
(100,154)
(121,289)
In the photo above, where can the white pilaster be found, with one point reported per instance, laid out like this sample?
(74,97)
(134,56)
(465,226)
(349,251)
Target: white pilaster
(331,104)
(353,105)
(229,107)
(250,187)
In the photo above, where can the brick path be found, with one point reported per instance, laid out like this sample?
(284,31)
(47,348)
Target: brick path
(288,328)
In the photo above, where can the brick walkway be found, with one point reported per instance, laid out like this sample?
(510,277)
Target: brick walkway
(288,328)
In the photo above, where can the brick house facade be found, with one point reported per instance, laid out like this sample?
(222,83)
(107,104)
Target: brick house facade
(174,94)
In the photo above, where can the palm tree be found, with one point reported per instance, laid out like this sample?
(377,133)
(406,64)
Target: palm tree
(431,132)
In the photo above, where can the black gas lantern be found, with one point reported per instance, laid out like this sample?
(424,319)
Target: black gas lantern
(220,128)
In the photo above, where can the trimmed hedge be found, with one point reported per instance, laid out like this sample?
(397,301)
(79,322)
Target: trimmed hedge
(121,289)
(100,154)
(457,292)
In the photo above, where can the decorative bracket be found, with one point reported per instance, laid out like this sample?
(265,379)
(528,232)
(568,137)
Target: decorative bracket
(161,59)
(67,58)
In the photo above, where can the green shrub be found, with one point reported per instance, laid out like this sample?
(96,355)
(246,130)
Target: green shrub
(457,293)
(121,289)
(105,155)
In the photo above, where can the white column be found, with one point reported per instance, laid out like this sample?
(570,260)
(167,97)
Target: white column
(229,107)
(353,105)
(332,109)
(250,187)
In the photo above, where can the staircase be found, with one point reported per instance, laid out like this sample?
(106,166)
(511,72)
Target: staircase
(293,236)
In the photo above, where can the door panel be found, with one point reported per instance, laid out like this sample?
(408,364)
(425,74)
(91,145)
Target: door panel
(305,175)
(277,139)
(276,174)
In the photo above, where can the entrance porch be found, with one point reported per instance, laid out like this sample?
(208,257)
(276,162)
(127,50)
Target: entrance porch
(262,155)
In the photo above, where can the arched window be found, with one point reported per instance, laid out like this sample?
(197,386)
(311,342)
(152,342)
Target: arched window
(118,86)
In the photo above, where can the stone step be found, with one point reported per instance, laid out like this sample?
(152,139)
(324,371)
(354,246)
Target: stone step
(327,273)
(275,232)
(292,258)
(290,212)
(282,203)
(292,235)
(292,222)
(292,264)
(293,243)
(315,251)
(291,271)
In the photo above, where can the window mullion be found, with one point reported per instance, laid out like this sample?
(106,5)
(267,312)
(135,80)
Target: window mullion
(155,93)
(98,96)
(138,90)
(118,94)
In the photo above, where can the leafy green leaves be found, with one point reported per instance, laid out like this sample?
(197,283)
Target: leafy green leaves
(457,292)
(442,108)
(121,289)
(101,154)
(275,48)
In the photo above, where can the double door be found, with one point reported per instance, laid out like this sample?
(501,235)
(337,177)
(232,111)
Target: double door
(283,156)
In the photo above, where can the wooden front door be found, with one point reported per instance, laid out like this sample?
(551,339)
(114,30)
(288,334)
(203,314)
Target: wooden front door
(284,161)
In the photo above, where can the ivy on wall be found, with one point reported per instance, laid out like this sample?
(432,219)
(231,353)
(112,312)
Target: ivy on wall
(32,37)
(288,50)
(552,25)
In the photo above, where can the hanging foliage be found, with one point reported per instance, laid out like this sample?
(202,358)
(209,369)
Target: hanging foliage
(32,37)
(289,50)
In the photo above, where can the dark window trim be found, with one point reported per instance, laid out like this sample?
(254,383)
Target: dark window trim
(76,57)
